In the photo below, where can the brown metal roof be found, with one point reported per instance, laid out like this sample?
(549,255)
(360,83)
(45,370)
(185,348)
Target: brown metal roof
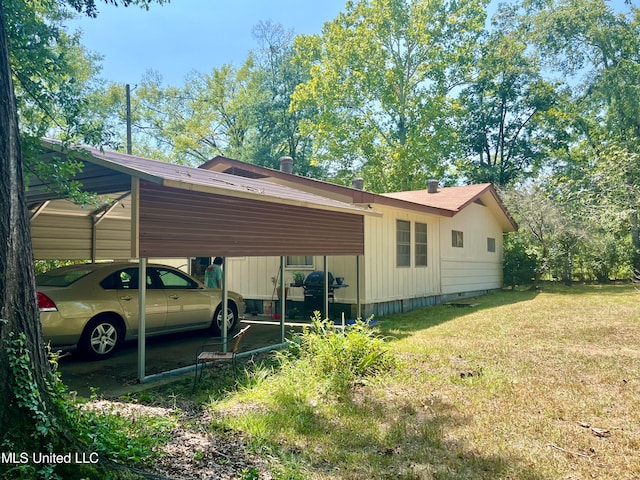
(248,170)
(182,211)
(319,187)
(447,202)
(108,172)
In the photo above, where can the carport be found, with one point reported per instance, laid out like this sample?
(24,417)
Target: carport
(150,209)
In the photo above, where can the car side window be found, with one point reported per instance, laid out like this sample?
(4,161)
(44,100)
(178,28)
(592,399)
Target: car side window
(171,279)
(112,282)
(128,279)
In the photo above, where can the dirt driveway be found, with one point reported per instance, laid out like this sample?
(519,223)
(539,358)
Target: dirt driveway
(118,375)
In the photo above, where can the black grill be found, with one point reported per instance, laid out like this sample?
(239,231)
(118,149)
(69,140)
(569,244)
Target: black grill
(314,291)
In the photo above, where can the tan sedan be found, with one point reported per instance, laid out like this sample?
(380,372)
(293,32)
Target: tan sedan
(95,306)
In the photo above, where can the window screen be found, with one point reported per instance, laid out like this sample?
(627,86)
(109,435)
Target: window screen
(403,243)
(457,238)
(421,244)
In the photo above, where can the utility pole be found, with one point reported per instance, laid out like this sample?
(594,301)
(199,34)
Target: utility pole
(128,94)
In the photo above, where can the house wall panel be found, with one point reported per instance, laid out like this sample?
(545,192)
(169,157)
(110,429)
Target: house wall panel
(385,281)
(252,276)
(471,267)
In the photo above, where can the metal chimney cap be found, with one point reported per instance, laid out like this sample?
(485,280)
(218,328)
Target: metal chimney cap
(432,186)
(286,164)
(358,183)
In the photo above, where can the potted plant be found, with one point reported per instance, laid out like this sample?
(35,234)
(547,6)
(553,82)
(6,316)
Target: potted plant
(297,279)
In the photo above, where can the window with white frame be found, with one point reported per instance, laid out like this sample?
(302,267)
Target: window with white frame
(421,244)
(457,238)
(403,243)
(299,261)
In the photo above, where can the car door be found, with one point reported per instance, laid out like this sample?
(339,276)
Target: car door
(188,305)
(156,301)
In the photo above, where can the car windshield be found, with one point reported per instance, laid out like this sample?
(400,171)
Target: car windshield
(61,278)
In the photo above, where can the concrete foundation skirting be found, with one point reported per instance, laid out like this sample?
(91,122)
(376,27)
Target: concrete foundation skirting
(380,309)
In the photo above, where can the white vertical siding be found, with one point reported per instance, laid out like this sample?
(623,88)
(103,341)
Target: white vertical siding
(384,280)
(471,267)
(251,276)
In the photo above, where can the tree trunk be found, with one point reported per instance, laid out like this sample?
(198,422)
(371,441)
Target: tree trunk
(635,239)
(541,269)
(18,306)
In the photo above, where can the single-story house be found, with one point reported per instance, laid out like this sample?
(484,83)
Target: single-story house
(425,247)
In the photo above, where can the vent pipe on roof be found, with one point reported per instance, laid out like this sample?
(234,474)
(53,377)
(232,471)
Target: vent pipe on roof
(286,164)
(358,183)
(432,186)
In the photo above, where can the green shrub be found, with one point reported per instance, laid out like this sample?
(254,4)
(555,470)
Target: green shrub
(341,356)
(519,265)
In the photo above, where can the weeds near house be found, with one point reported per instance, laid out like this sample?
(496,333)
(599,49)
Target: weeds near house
(129,437)
(339,357)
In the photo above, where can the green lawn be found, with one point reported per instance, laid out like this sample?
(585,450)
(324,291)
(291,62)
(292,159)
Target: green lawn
(524,385)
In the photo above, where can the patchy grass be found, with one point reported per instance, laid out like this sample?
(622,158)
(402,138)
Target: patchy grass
(525,385)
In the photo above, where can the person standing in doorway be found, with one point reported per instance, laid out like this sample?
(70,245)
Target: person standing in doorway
(213,274)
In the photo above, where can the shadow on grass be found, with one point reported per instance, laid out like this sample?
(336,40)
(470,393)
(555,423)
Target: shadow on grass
(401,325)
(610,289)
(353,435)
(367,439)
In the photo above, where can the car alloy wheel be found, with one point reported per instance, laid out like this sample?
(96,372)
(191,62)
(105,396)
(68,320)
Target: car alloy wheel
(232,319)
(101,338)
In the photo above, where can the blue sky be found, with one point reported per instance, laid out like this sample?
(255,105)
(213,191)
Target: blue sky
(196,35)
(190,35)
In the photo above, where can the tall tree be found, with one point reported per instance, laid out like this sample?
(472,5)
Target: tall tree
(596,187)
(241,112)
(277,75)
(30,418)
(547,225)
(382,75)
(598,48)
(507,129)
(210,115)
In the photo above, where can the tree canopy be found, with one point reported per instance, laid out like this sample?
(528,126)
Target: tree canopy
(381,77)
(401,91)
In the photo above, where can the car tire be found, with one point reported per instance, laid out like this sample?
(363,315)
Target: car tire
(232,319)
(100,338)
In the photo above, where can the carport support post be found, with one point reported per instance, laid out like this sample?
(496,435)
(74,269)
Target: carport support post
(358,306)
(283,299)
(326,287)
(225,302)
(142,301)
